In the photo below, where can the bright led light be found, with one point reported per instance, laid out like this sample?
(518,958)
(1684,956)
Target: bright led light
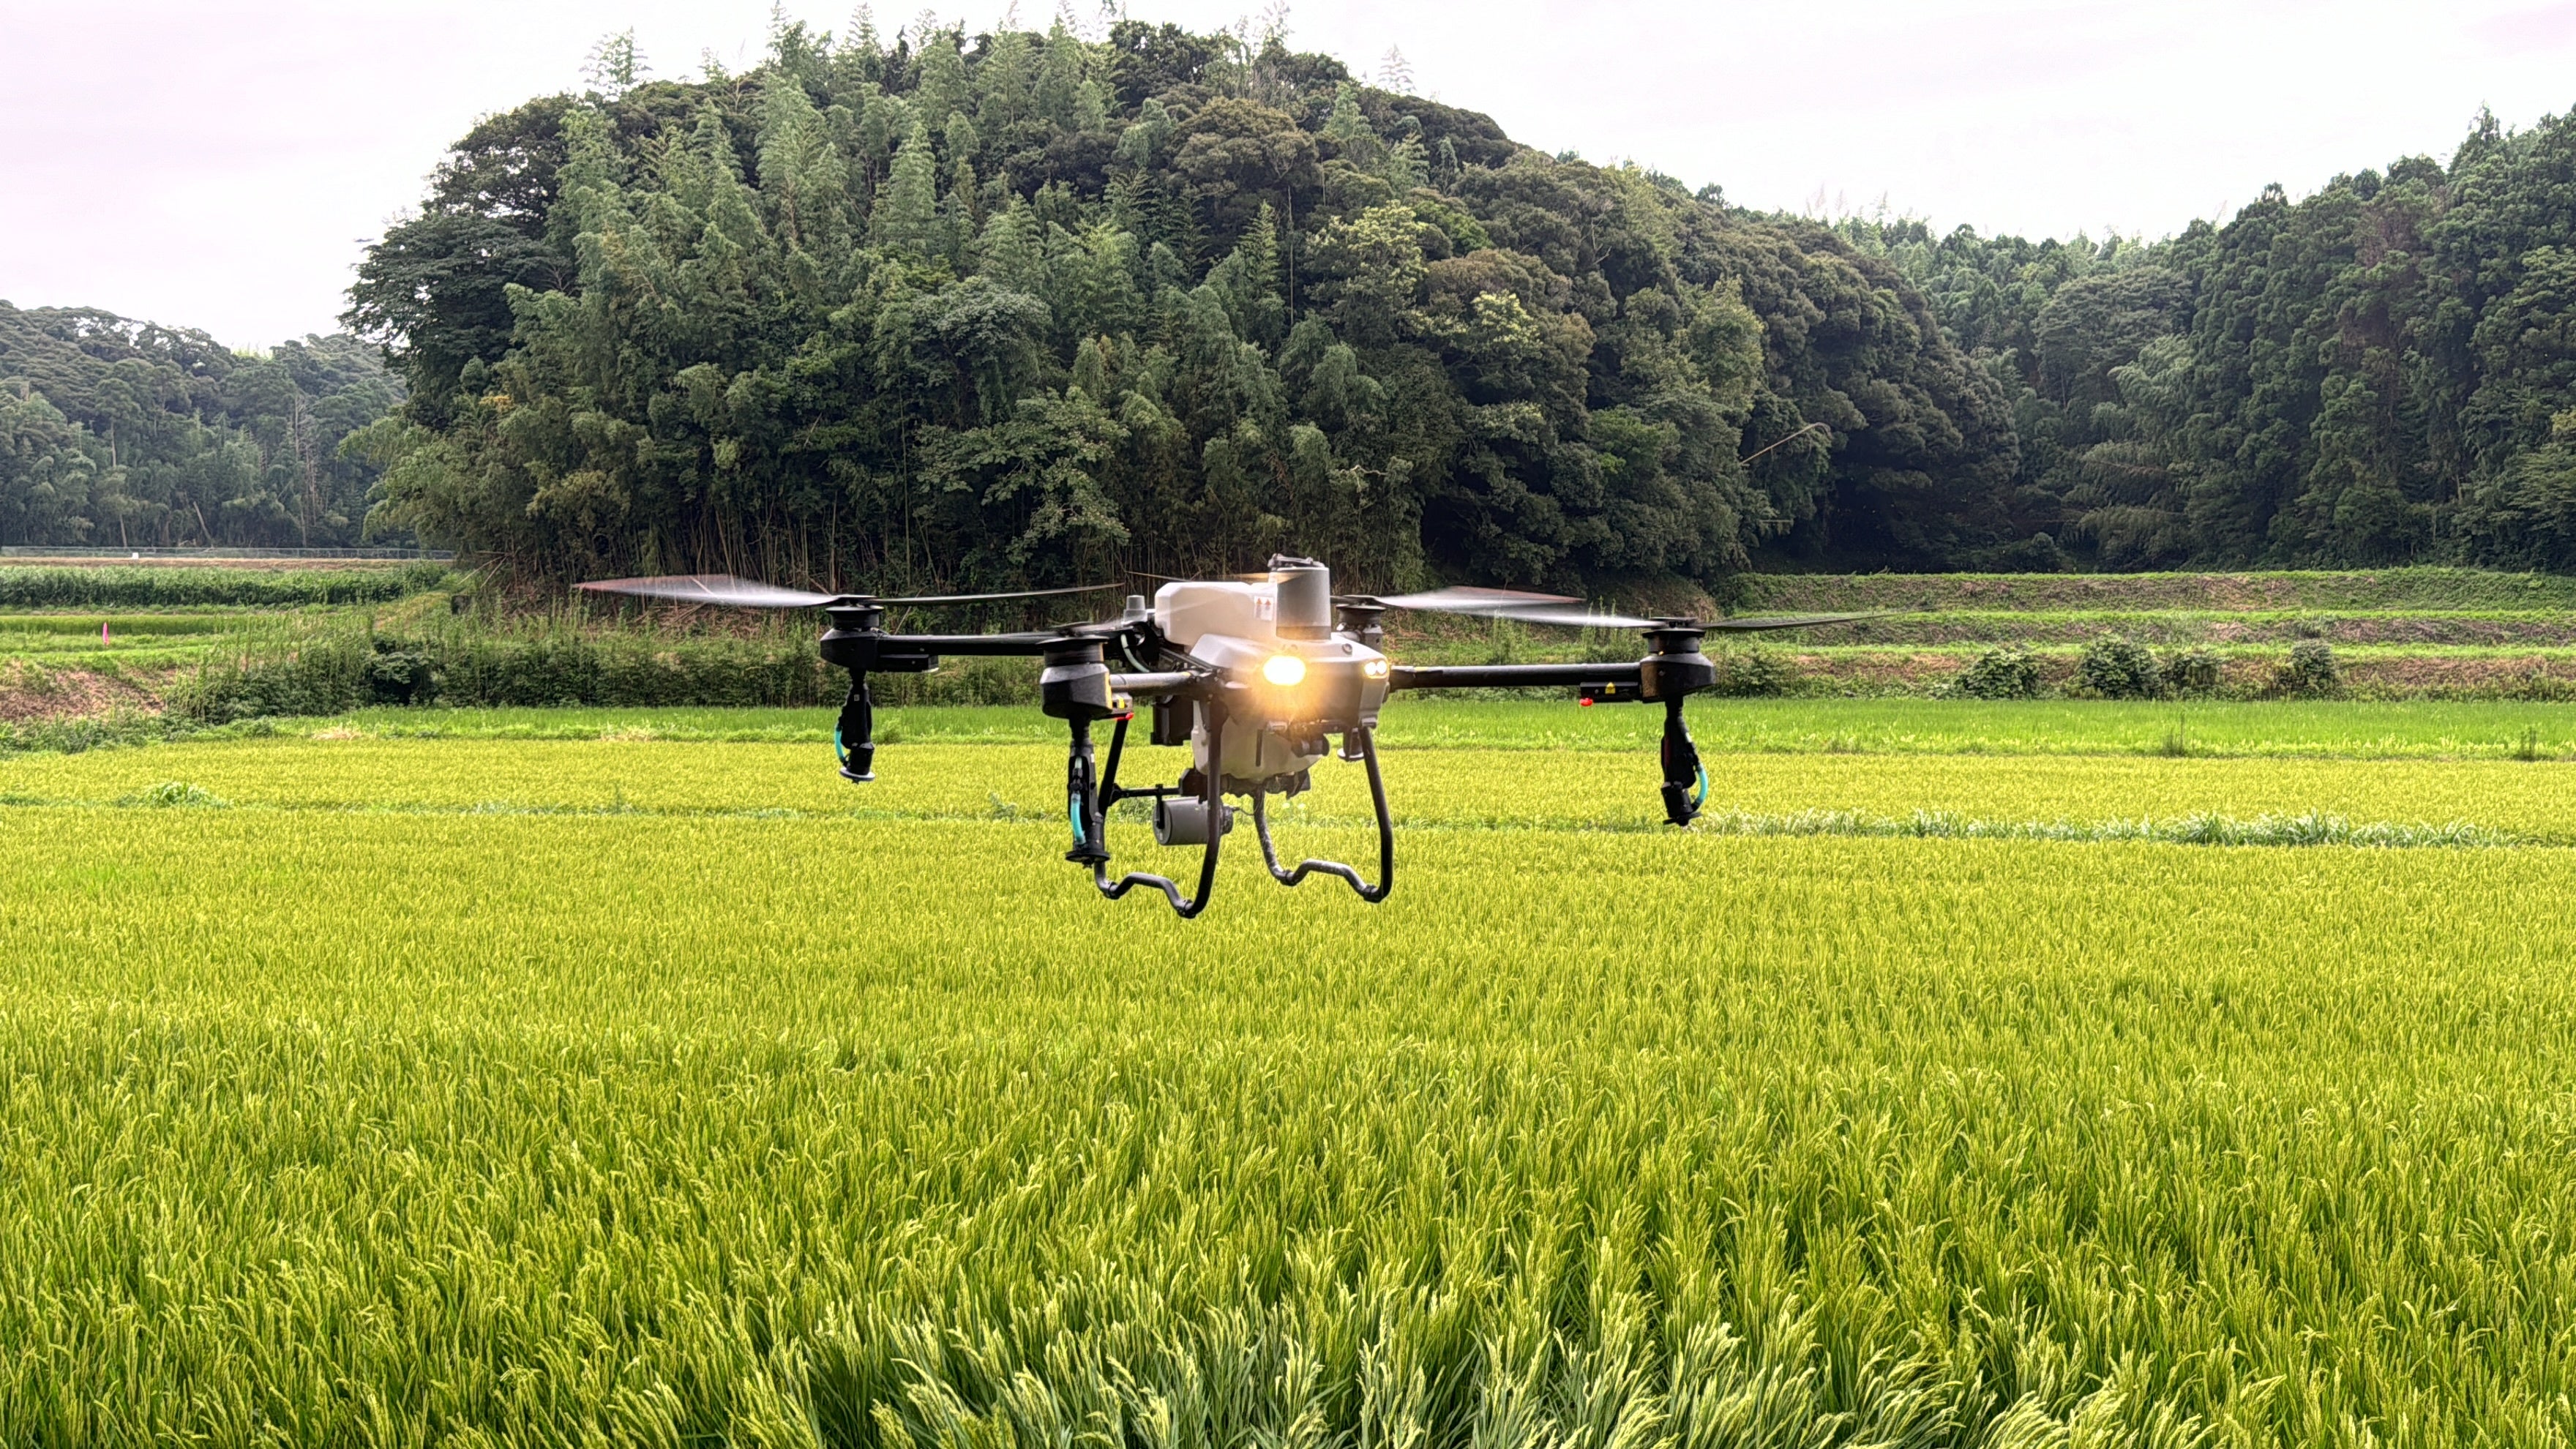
(1284,670)
(1374,669)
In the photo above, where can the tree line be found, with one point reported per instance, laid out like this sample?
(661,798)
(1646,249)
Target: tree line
(2381,373)
(1024,307)
(127,434)
(1021,307)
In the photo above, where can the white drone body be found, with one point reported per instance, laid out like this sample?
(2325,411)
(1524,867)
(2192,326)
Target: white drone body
(1292,679)
(1256,676)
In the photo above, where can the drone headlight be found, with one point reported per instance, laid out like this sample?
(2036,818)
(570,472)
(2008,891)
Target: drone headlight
(1284,670)
(1374,669)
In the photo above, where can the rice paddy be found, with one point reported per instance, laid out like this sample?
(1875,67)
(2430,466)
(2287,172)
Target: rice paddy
(409,1078)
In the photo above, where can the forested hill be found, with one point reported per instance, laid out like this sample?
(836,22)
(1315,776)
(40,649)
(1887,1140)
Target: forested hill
(1023,308)
(122,433)
(1019,308)
(2383,372)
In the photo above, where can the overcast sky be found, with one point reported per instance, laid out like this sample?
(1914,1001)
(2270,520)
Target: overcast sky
(220,165)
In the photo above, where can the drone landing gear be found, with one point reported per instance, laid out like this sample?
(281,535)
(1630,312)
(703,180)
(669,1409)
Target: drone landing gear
(1364,741)
(1195,812)
(1088,802)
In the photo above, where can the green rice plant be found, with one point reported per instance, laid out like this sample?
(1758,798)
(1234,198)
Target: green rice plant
(326,1126)
(2087,797)
(2343,729)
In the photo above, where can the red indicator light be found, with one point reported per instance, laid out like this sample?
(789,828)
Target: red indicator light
(1587,704)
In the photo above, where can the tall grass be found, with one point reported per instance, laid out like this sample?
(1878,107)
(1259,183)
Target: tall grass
(333,665)
(2429,588)
(85,587)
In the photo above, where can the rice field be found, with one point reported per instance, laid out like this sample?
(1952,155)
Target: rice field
(2429,729)
(495,1088)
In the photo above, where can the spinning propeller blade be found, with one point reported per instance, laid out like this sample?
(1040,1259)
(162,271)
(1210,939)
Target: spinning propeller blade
(711,589)
(1574,616)
(1475,601)
(1790,621)
(737,593)
(1571,613)
(989,598)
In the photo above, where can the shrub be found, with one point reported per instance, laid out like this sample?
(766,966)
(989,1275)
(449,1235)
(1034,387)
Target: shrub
(400,675)
(2118,668)
(1747,673)
(1999,674)
(2191,671)
(2311,670)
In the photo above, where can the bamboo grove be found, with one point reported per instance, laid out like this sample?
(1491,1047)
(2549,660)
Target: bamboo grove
(1021,308)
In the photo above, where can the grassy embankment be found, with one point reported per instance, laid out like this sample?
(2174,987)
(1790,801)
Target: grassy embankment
(188,647)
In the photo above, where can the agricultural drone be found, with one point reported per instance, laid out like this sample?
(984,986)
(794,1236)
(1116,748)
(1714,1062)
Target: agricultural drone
(1256,674)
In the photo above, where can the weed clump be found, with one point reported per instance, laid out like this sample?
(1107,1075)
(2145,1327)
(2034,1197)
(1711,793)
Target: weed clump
(175,795)
(2114,667)
(1998,674)
(1754,673)
(2311,670)
(2190,671)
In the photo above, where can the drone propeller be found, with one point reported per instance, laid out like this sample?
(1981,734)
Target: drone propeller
(1270,576)
(737,593)
(1580,618)
(1468,601)
(1571,613)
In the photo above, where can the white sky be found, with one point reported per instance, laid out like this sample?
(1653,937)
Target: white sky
(220,165)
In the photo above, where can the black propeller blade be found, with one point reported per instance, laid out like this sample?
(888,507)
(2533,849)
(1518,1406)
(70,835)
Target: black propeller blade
(737,593)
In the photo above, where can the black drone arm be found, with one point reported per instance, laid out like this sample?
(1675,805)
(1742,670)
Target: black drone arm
(1511,676)
(1671,674)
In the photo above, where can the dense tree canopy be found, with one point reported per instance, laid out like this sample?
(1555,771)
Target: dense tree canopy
(2383,372)
(125,434)
(1019,307)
